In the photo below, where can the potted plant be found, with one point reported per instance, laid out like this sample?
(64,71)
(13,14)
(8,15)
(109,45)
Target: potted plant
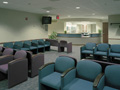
(53,35)
(65,32)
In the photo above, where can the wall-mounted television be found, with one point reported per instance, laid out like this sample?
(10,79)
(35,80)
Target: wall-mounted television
(46,20)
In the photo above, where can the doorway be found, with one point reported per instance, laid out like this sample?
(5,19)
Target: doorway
(105,32)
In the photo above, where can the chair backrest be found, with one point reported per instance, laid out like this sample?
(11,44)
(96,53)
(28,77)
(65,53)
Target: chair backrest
(103,47)
(1,48)
(41,41)
(89,46)
(19,44)
(20,54)
(63,63)
(112,76)
(27,42)
(8,51)
(115,48)
(35,41)
(9,45)
(88,70)
(63,43)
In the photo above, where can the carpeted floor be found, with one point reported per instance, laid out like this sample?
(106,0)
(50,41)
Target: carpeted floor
(32,83)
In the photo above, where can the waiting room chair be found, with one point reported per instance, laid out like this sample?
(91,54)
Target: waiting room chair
(64,44)
(40,47)
(87,50)
(34,63)
(7,52)
(8,45)
(16,68)
(50,74)
(101,50)
(32,47)
(110,80)
(114,52)
(81,77)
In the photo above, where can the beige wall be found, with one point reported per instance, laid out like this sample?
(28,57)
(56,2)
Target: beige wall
(14,27)
(114,30)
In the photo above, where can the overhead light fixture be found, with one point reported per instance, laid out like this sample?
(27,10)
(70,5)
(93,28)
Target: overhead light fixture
(47,11)
(77,7)
(5,2)
(93,14)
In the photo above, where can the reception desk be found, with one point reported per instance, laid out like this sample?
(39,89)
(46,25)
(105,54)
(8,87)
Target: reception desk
(79,38)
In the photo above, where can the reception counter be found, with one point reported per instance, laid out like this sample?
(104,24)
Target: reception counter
(80,38)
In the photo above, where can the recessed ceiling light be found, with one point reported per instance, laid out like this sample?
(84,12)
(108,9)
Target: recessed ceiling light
(5,2)
(47,11)
(93,14)
(77,7)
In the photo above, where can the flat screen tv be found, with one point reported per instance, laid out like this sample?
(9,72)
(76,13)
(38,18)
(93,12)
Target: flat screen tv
(46,20)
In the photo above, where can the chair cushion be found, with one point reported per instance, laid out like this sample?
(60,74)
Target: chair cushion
(19,44)
(88,70)
(63,63)
(9,45)
(112,76)
(100,53)
(89,46)
(35,41)
(33,47)
(20,54)
(25,49)
(46,45)
(115,48)
(87,51)
(79,84)
(103,47)
(114,54)
(109,88)
(40,46)
(27,42)
(53,80)
(4,68)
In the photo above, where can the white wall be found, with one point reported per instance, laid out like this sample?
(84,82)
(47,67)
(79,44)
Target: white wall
(14,27)
(114,30)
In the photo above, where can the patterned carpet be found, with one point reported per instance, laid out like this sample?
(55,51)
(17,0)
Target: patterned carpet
(32,83)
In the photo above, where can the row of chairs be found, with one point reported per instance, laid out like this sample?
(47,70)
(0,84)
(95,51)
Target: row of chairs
(35,45)
(18,65)
(67,74)
(103,49)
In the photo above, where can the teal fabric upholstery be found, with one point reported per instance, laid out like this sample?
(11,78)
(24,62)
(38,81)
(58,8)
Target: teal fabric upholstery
(52,80)
(41,42)
(114,54)
(109,88)
(50,75)
(103,47)
(9,45)
(87,49)
(63,63)
(90,46)
(82,77)
(18,45)
(111,78)
(101,53)
(79,84)
(87,52)
(34,41)
(115,48)
(88,70)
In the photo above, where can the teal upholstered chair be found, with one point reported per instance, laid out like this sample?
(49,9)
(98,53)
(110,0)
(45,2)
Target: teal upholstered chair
(40,47)
(114,51)
(110,80)
(101,50)
(8,45)
(31,46)
(82,77)
(87,49)
(19,46)
(45,43)
(50,74)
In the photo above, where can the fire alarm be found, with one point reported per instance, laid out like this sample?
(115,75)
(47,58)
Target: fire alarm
(57,17)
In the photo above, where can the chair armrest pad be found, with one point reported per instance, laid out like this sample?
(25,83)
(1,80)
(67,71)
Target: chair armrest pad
(46,65)
(97,80)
